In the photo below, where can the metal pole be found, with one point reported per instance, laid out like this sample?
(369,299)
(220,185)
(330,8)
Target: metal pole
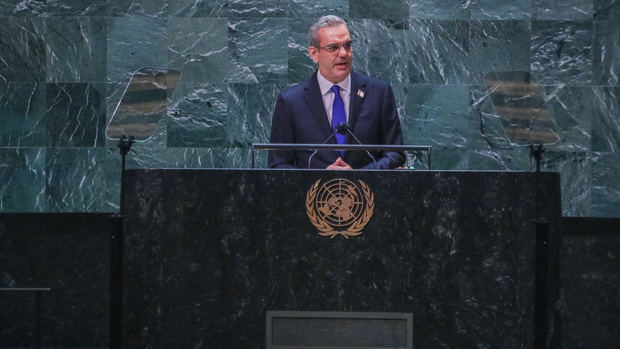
(116,256)
(541,278)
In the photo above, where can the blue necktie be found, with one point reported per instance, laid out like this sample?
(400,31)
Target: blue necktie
(338,115)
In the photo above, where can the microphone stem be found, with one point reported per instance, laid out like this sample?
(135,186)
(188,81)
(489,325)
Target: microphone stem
(367,152)
(311,156)
(316,150)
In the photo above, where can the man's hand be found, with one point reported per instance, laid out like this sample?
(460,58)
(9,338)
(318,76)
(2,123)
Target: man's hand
(339,164)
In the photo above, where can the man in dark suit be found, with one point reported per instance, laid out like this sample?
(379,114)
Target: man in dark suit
(310,111)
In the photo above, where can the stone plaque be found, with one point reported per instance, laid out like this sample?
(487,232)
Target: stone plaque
(331,330)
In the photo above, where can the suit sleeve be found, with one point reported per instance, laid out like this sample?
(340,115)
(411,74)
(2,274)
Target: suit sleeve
(281,132)
(390,133)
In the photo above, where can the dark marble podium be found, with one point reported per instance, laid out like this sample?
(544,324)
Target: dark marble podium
(209,252)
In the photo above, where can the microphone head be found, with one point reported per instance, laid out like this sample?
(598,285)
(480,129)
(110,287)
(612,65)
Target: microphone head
(343,127)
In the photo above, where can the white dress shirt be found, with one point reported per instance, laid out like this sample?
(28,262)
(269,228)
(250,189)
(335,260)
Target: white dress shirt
(328,95)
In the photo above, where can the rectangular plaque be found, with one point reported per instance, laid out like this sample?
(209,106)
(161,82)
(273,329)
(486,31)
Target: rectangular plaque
(339,330)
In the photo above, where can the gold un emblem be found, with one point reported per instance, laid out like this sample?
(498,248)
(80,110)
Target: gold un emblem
(340,207)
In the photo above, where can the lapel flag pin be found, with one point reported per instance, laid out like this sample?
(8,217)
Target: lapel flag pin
(360,93)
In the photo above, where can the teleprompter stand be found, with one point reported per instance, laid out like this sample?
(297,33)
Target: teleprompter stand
(135,118)
(541,284)
(116,254)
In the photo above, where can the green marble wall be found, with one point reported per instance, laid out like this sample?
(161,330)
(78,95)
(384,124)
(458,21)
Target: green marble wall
(64,64)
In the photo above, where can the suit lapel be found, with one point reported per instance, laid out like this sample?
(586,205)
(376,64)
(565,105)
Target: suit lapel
(314,100)
(356,103)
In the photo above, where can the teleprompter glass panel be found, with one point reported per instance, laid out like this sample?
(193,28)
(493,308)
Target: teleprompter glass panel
(143,103)
(519,102)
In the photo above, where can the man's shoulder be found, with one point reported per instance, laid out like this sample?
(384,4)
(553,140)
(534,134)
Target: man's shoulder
(296,90)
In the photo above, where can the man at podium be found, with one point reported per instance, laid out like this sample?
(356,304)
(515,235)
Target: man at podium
(336,105)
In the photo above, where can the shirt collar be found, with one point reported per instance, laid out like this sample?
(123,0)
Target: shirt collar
(325,85)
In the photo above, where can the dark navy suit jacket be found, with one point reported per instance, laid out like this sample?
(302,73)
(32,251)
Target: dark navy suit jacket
(300,117)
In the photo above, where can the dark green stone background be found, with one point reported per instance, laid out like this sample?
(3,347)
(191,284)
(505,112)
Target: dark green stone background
(64,64)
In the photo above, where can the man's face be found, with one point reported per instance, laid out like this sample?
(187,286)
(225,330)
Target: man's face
(334,66)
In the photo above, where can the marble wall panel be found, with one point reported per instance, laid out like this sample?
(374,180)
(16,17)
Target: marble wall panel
(198,47)
(259,45)
(431,121)
(562,52)
(22,57)
(437,51)
(114,93)
(576,183)
(300,65)
(605,184)
(142,8)
(606,123)
(395,10)
(502,10)
(487,123)
(515,159)
(379,43)
(135,42)
(76,49)
(22,106)
(80,8)
(75,114)
(216,157)
(317,8)
(250,111)
(203,157)
(82,180)
(606,9)
(198,8)
(606,64)
(401,90)
(257,8)
(562,9)
(151,153)
(439,9)
(498,46)
(192,125)
(449,159)
(22,180)
(22,7)
(573,109)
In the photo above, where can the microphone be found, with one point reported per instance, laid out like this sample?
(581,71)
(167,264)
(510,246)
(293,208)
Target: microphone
(347,128)
(341,128)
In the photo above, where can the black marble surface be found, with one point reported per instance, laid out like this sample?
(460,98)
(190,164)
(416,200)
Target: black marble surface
(208,252)
(70,255)
(588,306)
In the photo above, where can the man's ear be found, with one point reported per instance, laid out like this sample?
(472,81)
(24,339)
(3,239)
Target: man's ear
(314,53)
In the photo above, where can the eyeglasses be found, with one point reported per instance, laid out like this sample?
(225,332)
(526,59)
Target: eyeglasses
(333,48)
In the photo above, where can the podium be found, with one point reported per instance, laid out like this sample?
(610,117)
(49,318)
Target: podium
(209,252)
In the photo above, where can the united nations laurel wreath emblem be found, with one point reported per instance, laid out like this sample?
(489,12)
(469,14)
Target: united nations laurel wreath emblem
(340,207)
